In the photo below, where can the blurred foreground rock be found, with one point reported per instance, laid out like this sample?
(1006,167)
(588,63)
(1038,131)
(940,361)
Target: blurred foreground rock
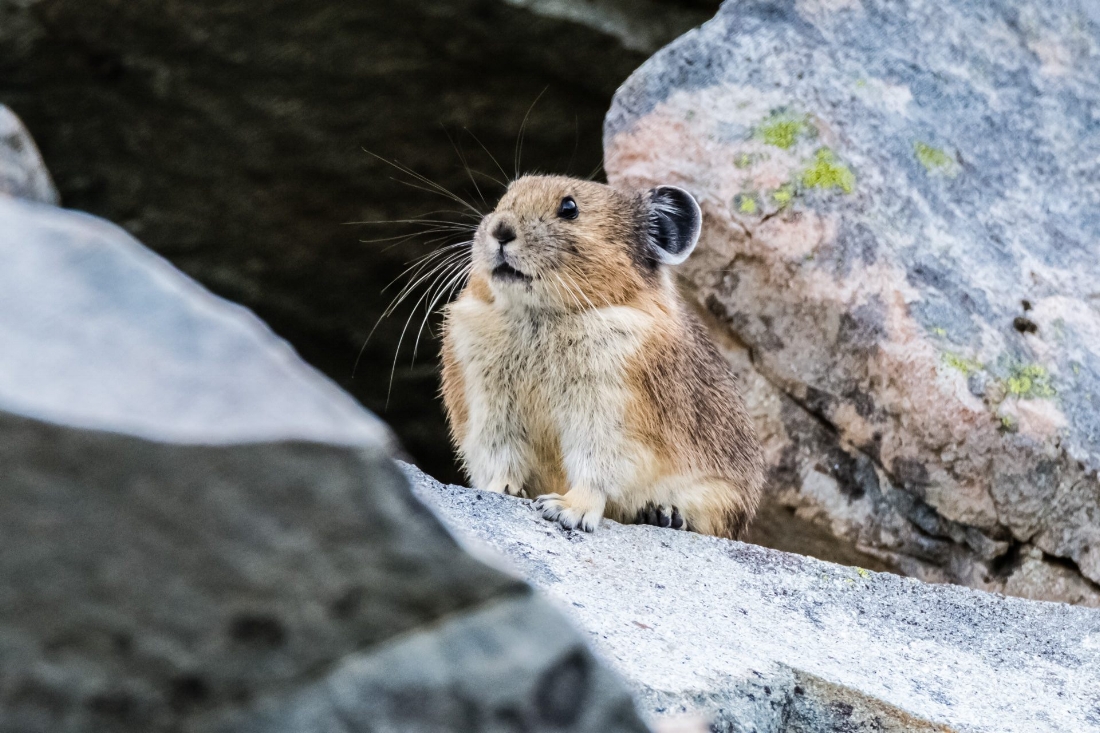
(198,532)
(902,206)
(759,640)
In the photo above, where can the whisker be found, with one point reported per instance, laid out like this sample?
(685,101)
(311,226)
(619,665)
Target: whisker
(441,269)
(585,296)
(595,171)
(576,143)
(404,293)
(568,291)
(432,185)
(503,183)
(523,128)
(459,282)
(453,274)
(469,173)
(413,235)
(401,339)
(428,189)
(418,220)
(421,262)
(433,240)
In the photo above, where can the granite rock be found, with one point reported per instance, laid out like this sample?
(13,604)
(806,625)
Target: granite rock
(754,639)
(197,528)
(902,204)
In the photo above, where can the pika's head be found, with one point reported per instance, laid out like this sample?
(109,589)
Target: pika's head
(565,243)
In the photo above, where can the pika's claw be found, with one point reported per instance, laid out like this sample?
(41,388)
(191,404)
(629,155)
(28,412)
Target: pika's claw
(510,487)
(565,511)
(661,515)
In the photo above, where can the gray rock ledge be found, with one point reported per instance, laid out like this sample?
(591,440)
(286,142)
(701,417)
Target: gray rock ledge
(766,641)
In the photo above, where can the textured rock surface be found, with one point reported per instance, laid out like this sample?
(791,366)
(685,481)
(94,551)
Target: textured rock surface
(902,207)
(22,172)
(760,640)
(229,136)
(197,528)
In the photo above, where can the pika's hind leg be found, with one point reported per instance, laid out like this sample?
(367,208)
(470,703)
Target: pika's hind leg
(714,506)
(661,515)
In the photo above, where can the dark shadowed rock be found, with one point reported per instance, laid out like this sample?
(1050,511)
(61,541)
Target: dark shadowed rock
(759,640)
(196,527)
(22,172)
(902,208)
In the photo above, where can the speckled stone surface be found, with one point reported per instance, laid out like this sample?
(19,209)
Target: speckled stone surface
(765,641)
(902,221)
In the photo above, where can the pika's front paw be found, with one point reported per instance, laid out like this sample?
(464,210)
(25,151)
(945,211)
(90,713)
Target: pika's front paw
(661,515)
(510,487)
(569,512)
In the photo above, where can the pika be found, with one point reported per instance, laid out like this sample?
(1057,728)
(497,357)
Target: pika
(575,374)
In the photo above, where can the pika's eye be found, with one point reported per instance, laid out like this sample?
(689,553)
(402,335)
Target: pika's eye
(568,208)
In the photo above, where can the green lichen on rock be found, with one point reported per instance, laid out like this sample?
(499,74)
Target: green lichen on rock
(783,129)
(933,159)
(745,203)
(826,172)
(784,194)
(962,364)
(748,160)
(1028,382)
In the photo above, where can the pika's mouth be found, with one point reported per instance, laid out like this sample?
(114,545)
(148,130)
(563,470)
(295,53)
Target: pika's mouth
(506,272)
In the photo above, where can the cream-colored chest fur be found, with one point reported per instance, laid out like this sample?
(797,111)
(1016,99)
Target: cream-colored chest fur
(547,395)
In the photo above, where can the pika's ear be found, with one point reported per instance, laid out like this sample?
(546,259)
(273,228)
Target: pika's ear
(674,223)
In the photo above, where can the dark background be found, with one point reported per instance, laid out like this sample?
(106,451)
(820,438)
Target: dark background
(229,136)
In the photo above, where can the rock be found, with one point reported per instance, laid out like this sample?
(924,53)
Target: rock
(765,641)
(231,141)
(902,206)
(22,172)
(196,528)
(639,25)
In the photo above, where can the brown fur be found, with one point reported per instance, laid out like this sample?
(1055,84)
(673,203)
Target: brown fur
(687,398)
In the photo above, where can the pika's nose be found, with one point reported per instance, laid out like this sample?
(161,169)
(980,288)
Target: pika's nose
(503,233)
